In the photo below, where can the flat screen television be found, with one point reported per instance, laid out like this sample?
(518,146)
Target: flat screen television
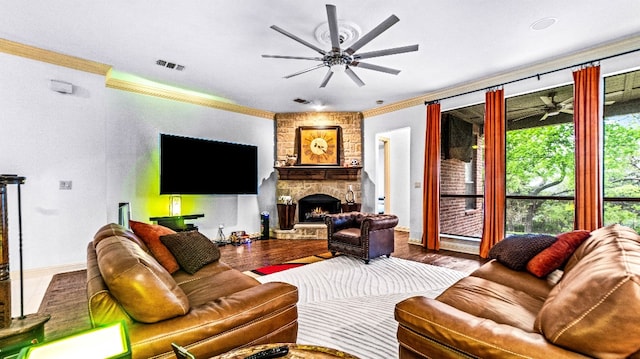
(191,165)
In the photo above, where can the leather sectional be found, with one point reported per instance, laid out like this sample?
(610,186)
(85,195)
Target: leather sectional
(589,309)
(212,311)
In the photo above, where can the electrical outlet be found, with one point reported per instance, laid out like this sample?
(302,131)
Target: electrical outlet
(417,184)
(65,185)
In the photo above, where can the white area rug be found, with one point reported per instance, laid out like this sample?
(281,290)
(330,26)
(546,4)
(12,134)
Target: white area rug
(347,305)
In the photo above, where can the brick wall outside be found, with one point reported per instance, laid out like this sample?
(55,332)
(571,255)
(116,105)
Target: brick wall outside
(454,217)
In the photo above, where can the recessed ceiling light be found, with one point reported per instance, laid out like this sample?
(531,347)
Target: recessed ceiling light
(543,23)
(379,102)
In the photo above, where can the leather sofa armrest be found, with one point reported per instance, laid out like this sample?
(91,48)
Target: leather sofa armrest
(381,221)
(223,324)
(469,334)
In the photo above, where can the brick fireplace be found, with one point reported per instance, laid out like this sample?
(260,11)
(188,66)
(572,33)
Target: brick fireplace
(314,183)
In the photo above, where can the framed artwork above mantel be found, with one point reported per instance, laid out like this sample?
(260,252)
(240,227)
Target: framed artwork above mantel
(319,145)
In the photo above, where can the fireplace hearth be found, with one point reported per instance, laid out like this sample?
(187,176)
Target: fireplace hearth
(313,208)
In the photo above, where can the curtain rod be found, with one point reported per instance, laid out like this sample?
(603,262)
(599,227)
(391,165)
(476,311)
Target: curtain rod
(538,75)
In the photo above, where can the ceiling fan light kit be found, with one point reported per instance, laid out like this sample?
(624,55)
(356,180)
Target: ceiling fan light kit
(339,60)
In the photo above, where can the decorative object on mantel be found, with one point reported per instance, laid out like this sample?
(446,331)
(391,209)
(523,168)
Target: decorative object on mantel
(350,197)
(319,145)
(286,212)
(24,330)
(355,162)
(291,159)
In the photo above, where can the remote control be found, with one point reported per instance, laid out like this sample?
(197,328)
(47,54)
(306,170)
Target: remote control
(276,352)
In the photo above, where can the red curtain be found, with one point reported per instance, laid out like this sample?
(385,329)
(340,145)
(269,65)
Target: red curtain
(495,167)
(431,191)
(586,121)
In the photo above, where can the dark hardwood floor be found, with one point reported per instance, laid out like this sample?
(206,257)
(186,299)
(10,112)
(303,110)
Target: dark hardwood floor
(274,251)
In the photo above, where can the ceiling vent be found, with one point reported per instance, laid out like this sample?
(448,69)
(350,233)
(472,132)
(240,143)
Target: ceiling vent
(170,65)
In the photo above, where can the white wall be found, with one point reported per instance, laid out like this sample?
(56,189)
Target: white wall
(400,184)
(106,142)
(408,126)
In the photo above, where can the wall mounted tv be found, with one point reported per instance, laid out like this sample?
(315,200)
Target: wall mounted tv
(201,166)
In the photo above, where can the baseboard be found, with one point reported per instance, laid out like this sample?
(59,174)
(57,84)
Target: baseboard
(460,245)
(44,271)
(454,245)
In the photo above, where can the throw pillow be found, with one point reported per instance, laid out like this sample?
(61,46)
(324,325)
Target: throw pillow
(150,235)
(517,250)
(557,254)
(192,249)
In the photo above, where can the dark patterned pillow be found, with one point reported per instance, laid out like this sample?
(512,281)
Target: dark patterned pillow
(517,250)
(192,249)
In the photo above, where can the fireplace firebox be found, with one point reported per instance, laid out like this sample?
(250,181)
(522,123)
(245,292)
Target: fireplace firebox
(313,208)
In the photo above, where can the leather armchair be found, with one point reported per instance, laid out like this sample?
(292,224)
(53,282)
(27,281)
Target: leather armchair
(362,235)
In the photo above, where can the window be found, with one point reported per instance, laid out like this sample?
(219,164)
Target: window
(622,150)
(540,162)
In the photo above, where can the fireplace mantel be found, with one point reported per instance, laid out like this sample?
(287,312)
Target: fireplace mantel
(319,173)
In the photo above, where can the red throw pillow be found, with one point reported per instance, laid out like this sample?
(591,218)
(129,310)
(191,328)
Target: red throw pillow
(554,256)
(150,235)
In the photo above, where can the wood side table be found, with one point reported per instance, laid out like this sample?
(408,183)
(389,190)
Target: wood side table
(350,207)
(21,333)
(295,351)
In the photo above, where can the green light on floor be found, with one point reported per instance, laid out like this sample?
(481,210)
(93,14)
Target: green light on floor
(111,341)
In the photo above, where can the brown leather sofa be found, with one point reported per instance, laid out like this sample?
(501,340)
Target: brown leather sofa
(593,310)
(210,312)
(362,235)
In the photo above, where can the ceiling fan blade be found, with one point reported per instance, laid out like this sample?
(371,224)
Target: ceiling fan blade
(372,34)
(547,100)
(294,37)
(393,51)
(293,57)
(568,102)
(567,110)
(365,65)
(353,76)
(544,117)
(332,17)
(304,71)
(521,117)
(326,78)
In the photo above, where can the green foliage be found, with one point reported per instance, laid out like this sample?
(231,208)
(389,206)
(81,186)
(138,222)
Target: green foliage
(541,162)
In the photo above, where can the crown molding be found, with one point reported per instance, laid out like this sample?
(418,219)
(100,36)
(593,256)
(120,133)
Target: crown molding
(130,86)
(76,63)
(594,54)
(55,58)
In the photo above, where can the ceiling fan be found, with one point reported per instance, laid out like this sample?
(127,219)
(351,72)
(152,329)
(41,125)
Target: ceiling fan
(550,107)
(337,59)
(553,108)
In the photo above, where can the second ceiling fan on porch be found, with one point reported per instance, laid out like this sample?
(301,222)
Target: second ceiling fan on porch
(337,59)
